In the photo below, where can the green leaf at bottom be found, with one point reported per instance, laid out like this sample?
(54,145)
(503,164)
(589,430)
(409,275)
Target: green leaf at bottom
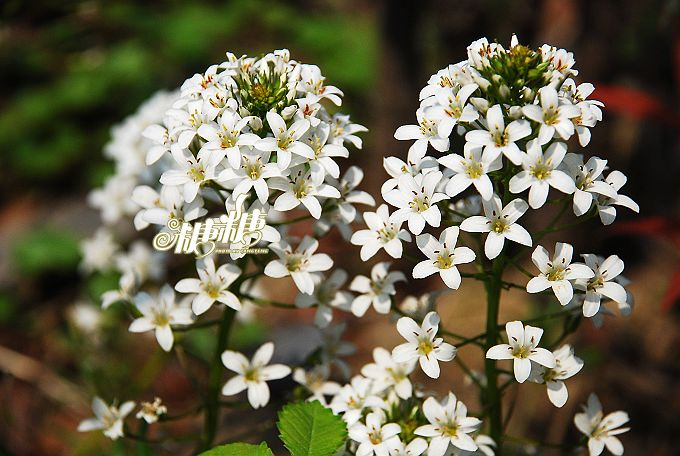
(239,449)
(310,429)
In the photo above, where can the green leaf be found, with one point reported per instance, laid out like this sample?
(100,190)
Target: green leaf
(310,429)
(239,449)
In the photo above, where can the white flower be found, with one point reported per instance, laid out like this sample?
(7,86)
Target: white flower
(349,195)
(286,141)
(416,200)
(253,375)
(127,286)
(299,264)
(192,171)
(212,285)
(312,81)
(540,173)
(588,180)
(443,256)
(151,411)
(227,136)
(113,198)
(472,168)
(141,261)
(98,251)
(354,397)
(605,205)
(500,138)
(413,165)
(452,108)
(415,447)
(158,314)
(558,273)
(374,437)
(316,381)
(601,430)
(485,444)
(553,116)
(302,188)
(500,223)
(381,233)
(327,296)
(523,349)
(324,153)
(423,344)
(342,130)
(449,425)
(387,373)
(376,290)
(108,418)
(251,174)
(426,132)
(159,208)
(602,283)
(566,366)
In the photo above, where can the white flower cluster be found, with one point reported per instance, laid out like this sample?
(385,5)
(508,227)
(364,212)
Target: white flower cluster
(510,113)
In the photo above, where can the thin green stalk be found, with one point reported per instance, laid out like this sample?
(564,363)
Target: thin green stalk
(212,404)
(492,394)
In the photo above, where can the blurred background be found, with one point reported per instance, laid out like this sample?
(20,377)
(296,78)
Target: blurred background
(70,70)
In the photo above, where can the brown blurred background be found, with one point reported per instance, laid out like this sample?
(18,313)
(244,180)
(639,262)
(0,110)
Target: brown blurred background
(70,69)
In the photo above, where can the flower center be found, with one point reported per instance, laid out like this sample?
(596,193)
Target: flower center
(499,226)
(301,188)
(555,273)
(375,436)
(252,375)
(387,233)
(521,352)
(419,204)
(294,262)
(253,170)
(196,173)
(450,430)
(540,171)
(444,260)
(212,290)
(474,169)
(500,138)
(425,346)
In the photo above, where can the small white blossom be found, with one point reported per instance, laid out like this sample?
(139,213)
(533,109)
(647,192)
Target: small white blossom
(190,172)
(253,173)
(286,141)
(558,273)
(588,179)
(302,188)
(381,233)
(472,169)
(540,172)
(500,223)
(426,132)
(501,138)
(601,430)
(602,284)
(375,436)
(416,201)
(554,117)
(451,108)
(316,381)
(151,411)
(253,375)
(449,425)
(108,418)
(566,366)
(442,257)
(423,344)
(327,296)
(158,314)
(228,137)
(99,251)
(355,397)
(299,264)
(522,349)
(415,447)
(212,285)
(606,205)
(387,373)
(376,291)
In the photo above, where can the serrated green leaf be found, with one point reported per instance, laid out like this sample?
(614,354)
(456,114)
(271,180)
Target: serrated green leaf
(310,429)
(239,449)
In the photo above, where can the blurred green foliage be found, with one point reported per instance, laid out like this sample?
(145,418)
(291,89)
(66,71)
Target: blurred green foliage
(45,250)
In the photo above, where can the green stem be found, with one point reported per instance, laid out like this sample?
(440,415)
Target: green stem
(492,394)
(212,405)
